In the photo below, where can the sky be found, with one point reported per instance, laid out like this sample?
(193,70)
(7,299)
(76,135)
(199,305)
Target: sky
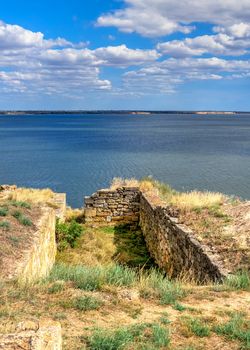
(125,54)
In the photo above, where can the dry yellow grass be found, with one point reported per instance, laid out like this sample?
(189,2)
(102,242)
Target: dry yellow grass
(32,195)
(119,182)
(74,214)
(182,200)
(196,199)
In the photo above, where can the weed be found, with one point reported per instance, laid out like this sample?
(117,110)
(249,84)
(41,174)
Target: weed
(22,219)
(14,240)
(86,303)
(239,281)
(236,328)
(198,328)
(20,204)
(155,284)
(3,211)
(5,225)
(179,307)
(67,234)
(139,336)
(56,287)
(59,316)
(118,275)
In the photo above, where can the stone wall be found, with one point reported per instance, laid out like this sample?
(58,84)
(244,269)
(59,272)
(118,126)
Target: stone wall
(120,206)
(31,335)
(171,244)
(174,247)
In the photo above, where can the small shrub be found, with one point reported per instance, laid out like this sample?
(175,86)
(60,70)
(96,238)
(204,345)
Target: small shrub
(3,211)
(198,328)
(86,303)
(5,225)
(179,307)
(67,234)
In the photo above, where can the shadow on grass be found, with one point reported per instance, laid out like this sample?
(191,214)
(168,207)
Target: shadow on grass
(131,249)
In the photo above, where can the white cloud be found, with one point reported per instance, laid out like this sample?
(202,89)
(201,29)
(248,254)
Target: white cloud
(161,17)
(165,76)
(29,63)
(122,56)
(233,40)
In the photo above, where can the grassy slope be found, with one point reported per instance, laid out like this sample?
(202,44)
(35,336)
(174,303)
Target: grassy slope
(102,306)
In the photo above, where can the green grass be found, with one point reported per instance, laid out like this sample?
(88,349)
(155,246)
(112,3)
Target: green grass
(5,225)
(118,275)
(239,281)
(22,219)
(237,328)
(4,211)
(179,307)
(67,234)
(139,336)
(56,287)
(152,284)
(198,328)
(86,303)
(131,247)
(20,204)
(92,278)
(155,285)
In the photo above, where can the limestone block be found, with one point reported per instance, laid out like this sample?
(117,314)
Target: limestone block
(90,212)
(45,335)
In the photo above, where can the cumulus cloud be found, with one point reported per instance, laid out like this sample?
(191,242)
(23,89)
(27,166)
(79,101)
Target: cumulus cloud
(165,76)
(162,17)
(30,63)
(233,40)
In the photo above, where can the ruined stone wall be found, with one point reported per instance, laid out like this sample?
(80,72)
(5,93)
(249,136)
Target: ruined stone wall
(31,335)
(113,206)
(171,244)
(174,247)
(38,260)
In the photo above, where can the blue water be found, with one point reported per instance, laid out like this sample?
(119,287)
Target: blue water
(78,154)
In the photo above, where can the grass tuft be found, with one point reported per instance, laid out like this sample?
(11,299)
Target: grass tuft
(22,219)
(139,336)
(198,328)
(239,281)
(154,284)
(237,328)
(5,225)
(4,211)
(86,303)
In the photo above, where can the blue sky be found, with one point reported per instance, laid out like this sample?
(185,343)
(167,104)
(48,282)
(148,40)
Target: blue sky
(131,54)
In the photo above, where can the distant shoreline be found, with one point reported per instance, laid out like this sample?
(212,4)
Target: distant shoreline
(133,112)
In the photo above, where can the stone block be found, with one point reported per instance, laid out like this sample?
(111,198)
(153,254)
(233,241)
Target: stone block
(90,212)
